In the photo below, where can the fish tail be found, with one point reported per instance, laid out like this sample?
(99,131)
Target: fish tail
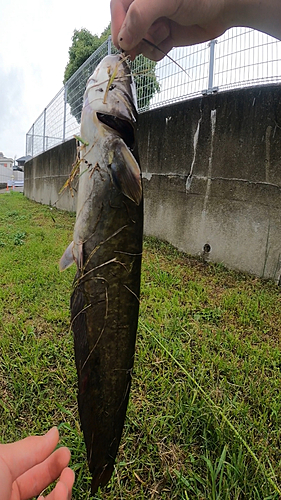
(101,477)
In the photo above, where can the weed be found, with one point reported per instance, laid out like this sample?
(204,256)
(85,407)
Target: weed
(19,238)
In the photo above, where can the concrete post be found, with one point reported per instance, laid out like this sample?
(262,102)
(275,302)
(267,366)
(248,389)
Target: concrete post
(211,67)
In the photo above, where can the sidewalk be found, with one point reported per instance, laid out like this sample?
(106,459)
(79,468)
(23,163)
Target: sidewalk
(16,189)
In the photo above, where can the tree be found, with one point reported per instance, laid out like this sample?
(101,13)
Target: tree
(85,53)
(83,46)
(147,85)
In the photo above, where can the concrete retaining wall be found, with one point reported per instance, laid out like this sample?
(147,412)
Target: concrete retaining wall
(212,177)
(45,175)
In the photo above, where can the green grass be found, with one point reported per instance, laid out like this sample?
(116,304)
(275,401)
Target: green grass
(204,418)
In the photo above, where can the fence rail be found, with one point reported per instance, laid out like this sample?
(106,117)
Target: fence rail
(240,57)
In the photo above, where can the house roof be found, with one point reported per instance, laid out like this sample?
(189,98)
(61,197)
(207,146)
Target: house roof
(4,158)
(24,158)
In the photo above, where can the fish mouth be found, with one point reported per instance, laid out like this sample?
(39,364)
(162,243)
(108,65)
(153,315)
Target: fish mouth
(123,127)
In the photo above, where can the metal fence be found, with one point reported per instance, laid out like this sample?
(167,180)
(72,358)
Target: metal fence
(240,57)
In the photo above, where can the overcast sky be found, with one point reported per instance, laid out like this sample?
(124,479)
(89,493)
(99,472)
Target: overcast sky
(35,36)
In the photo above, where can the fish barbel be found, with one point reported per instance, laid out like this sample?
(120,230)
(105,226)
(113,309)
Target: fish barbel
(107,249)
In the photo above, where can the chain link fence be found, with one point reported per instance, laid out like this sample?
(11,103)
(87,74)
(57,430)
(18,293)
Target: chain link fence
(240,57)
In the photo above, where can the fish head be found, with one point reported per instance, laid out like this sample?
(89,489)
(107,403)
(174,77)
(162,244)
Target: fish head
(110,100)
(108,144)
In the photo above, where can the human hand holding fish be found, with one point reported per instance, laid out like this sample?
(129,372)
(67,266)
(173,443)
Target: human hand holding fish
(30,465)
(174,23)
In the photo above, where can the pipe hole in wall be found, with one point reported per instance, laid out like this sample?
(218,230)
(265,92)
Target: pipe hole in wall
(207,248)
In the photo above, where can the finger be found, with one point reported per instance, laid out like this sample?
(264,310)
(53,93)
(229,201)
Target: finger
(118,13)
(63,488)
(25,454)
(36,479)
(67,478)
(190,35)
(158,32)
(156,52)
(66,481)
(179,36)
(140,17)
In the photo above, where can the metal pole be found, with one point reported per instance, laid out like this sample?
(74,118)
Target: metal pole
(109,45)
(64,112)
(211,66)
(44,129)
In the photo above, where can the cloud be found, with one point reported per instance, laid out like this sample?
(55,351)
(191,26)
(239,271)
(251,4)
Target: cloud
(34,42)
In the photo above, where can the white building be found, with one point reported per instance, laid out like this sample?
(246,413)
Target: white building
(6,162)
(9,176)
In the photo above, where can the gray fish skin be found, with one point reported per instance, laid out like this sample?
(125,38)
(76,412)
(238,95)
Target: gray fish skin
(107,249)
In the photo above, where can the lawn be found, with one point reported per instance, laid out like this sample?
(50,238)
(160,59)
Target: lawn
(204,418)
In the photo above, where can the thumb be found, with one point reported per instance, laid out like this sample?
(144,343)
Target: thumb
(139,19)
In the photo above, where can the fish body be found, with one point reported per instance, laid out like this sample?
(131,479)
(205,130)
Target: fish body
(107,249)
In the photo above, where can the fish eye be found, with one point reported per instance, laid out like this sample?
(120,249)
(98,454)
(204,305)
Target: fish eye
(112,87)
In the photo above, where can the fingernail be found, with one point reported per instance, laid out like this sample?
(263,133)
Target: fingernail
(51,431)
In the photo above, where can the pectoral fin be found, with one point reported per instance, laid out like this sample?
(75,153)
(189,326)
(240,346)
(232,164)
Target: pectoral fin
(125,171)
(67,258)
(73,254)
